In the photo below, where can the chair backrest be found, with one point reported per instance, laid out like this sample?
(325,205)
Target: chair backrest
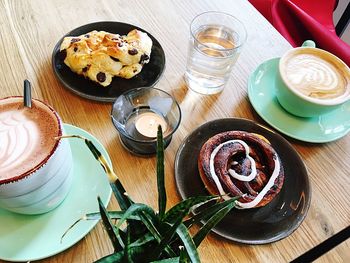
(300,20)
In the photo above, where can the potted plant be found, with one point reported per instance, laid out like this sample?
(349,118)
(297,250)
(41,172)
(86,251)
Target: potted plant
(141,234)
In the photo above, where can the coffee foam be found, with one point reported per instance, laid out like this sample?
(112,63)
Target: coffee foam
(316,74)
(27,136)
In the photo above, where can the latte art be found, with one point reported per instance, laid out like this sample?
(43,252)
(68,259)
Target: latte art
(27,136)
(18,139)
(315,76)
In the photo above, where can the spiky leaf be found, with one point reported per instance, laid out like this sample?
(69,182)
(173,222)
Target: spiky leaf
(120,194)
(188,242)
(148,221)
(135,209)
(186,205)
(168,260)
(111,231)
(118,189)
(206,211)
(183,256)
(135,253)
(127,249)
(160,173)
(166,238)
(112,215)
(144,239)
(216,218)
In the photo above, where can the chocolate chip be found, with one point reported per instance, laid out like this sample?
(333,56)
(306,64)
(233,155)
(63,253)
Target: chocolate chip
(86,68)
(143,58)
(75,40)
(62,55)
(133,51)
(115,39)
(115,59)
(135,70)
(87,35)
(101,77)
(120,44)
(75,49)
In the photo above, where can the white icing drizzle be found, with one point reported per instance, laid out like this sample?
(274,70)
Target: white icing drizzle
(267,187)
(212,171)
(251,176)
(253,173)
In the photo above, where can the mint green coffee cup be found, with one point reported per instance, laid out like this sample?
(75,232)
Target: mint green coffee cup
(311,82)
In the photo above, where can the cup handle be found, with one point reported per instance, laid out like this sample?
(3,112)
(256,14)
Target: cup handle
(308,43)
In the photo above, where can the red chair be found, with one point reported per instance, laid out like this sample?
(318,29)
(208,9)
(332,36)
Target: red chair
(300,20)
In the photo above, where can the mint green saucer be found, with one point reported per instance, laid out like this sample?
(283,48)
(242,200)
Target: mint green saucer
(325,128)
(27,238)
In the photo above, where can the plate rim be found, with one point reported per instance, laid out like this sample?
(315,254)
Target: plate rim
(273,123)
(86,229)
(249,242)
(92,97)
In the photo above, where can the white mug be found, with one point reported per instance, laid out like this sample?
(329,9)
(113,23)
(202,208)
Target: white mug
(44,186)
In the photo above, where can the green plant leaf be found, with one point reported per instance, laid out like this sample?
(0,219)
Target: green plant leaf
(120,194)
(111,230)
(168,260)
(148,221)
(206,212)
(112,258)
(112,215)
(97,216)
(188,242)
(147,215)
(135,209)
(186,205)
(165,239)
(183,256)
(127,251)
(206,228)
(117,187)
(160,173)
(137,228)
(135,253)
(168,235)
(146,238)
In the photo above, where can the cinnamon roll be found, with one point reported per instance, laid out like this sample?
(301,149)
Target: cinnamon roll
(238,163)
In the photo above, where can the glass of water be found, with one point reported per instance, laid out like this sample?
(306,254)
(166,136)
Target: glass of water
(215,43)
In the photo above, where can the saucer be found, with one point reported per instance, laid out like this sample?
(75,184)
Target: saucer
(34,237)
(325,128)
(270,223)
(86,88)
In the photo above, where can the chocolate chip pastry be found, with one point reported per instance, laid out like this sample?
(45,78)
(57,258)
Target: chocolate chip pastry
(99,55)
(238,163)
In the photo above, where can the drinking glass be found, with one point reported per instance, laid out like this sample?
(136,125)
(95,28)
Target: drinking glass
(216,40)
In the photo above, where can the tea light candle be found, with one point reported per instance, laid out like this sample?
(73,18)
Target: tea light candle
(147,124)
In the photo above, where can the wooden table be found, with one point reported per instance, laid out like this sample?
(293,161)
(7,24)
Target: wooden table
(29,31)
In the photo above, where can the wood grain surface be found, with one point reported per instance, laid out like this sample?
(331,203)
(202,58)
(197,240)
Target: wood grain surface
(29,31)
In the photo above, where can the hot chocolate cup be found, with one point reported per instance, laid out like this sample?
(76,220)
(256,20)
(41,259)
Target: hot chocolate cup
(311,82)
(35,167)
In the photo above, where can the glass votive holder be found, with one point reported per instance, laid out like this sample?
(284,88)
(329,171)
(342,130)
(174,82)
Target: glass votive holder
(137,113)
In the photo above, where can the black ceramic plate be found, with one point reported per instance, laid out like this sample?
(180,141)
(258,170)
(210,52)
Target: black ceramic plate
(86,88)
(270,223)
